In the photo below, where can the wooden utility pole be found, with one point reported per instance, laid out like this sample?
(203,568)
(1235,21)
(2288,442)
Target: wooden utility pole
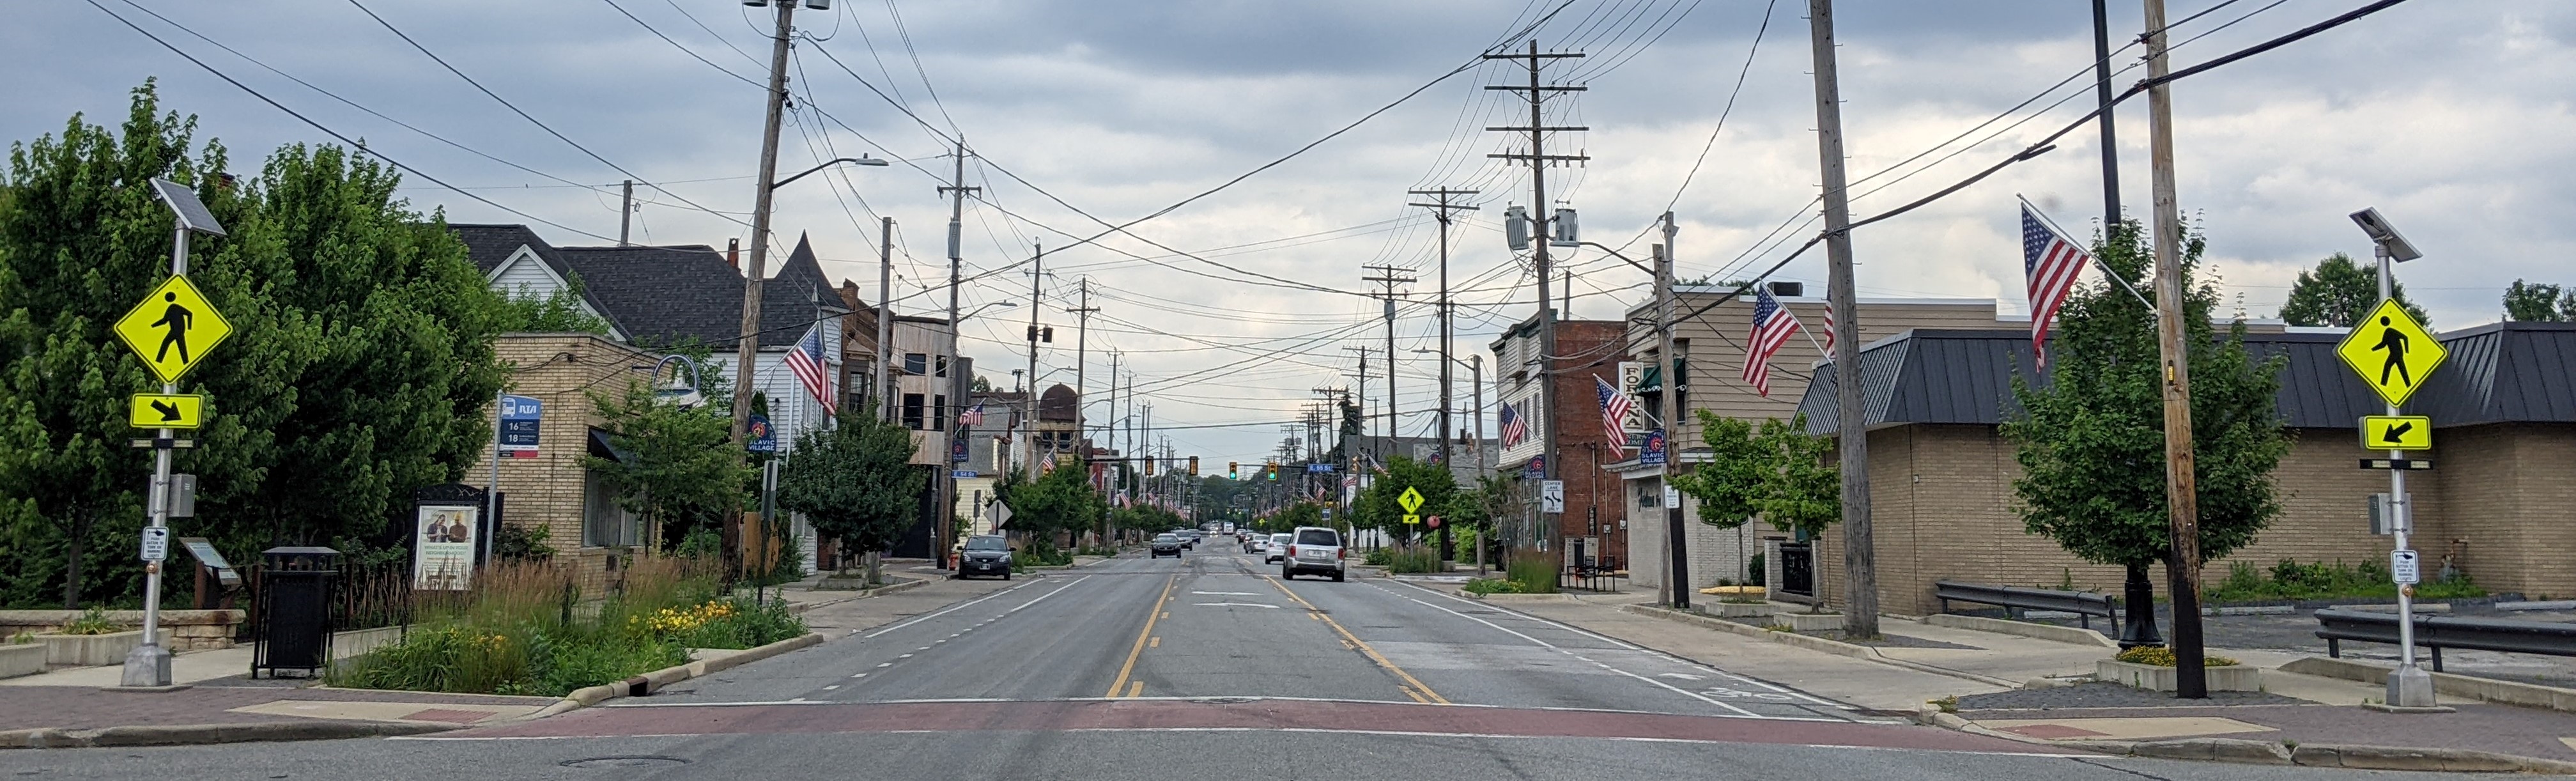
(1860,552)
(1441,211)
(1390,277)
(747,351)
(1540,217)
(885,320)
(2182,496)
(626,214)
(1037,275)
(946,475)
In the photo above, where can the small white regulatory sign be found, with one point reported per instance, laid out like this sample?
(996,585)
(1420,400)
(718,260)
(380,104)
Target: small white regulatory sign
(1551,496)
(2402,568)
(156,543)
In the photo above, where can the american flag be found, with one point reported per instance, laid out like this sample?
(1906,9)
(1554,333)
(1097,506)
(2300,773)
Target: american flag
(1615,408)
(1772,325)
(1515,427)
(2052,264)
(806,360)
(973,416)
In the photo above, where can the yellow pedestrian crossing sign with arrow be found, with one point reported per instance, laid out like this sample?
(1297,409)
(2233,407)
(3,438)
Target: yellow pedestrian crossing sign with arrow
(2391,352)
(173,329)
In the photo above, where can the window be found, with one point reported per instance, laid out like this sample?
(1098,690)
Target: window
(912,411)
(939,409)
(986,542)
(1319,537)
(1650,494)
(916,363)
(943,366)
(603,522)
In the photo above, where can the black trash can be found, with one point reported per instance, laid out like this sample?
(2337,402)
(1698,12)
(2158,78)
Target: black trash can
(294,610)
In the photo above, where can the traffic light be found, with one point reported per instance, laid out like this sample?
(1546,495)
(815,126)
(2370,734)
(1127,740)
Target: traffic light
(1233,470)
(1149,466)
(1194,466)
(1273,469)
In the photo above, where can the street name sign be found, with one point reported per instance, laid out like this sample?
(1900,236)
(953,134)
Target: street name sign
(2396,432)
(2391,352)
(172,329)
(167,410)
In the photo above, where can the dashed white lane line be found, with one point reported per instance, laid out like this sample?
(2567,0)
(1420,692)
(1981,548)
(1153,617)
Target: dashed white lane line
(1642,649)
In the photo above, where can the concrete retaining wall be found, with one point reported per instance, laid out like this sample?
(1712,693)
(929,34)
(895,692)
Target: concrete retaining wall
(182,630)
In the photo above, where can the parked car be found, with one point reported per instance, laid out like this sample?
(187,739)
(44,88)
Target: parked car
(1275,547)
(1313,550)
(985,554)
(1166,544)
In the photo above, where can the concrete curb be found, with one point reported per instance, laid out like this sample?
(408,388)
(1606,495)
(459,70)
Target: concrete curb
(650,682)
(1521,598)
(2062,634)
(208,734)
(1835,647)
(2450,684)
(2259,752)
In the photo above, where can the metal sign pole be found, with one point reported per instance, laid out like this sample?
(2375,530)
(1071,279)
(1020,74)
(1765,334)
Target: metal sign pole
(149,664)
(2408,686)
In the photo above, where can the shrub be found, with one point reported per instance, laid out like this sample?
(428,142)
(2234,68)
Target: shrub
(93,621)
(1378,557)
(1414,559)
(1533,570)
(2161,656)
(2289,579)
(1492,586)
(1755,570)
(23,637)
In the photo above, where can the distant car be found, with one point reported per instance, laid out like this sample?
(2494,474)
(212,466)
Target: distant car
(1254,544)
(1314,550)
(1167,544)
(1275,547)
(1189,538)
(986,554)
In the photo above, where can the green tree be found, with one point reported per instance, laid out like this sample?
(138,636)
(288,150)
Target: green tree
(1059,501)
(1728,485)
(2339,292)
(557,312)
(855,482)
(2091,441)
(1801,490)
(1379,507)
(2538,303)
(681,470)
(360,358)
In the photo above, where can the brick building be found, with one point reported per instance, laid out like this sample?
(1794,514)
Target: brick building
(2499,508)
(1595,520)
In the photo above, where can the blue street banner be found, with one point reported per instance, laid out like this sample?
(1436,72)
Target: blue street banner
(957,447)
(1653,453)
(762,438)
(520,418)
(1537,468)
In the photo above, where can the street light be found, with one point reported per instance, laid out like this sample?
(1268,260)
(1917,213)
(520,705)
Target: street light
(861,160)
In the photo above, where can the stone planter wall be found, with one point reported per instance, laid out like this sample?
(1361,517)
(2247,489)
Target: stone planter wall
(94,650)
(182,630)
(2232,678)
(1737,609)
(1808,622)
(21,659)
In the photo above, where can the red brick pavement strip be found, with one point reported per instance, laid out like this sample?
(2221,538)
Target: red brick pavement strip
(1328,716)
(85,707)
(2502,729)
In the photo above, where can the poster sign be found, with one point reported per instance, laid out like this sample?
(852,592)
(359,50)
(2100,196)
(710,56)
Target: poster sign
(1537,468)
(442,556)
(520,416)
(762,438)
(1653,453)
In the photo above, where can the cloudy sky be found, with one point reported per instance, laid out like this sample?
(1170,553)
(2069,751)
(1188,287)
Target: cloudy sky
(2450,116)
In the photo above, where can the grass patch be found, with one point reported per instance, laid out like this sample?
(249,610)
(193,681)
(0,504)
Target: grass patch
(2290,579)
(2161,656)
(525,629)
(93,621)
(1414,559)
(1492,586)
(1533,570)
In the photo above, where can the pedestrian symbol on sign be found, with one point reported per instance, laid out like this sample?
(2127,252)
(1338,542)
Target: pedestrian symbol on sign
(2391,352)
(2393,341)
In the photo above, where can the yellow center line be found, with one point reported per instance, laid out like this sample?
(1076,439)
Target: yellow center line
(1141,637)
(1411,686)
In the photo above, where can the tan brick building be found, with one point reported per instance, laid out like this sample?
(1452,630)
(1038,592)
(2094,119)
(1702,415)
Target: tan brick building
(2501,506)
(554,491)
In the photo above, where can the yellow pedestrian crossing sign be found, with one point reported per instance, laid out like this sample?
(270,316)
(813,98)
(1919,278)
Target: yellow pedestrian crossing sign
(167,410)
(2391,352)
(172,329)
(1412,500)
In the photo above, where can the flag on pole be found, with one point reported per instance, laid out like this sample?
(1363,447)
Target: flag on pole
(973,416)
(2051,264)
(1515,426)
(1615,408)
(1772,325)
(806,360)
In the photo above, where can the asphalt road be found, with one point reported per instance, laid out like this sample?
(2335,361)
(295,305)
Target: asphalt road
(1205,665)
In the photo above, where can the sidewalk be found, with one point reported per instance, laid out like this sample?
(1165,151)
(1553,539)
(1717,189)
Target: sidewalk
(1921,663)
(222,704)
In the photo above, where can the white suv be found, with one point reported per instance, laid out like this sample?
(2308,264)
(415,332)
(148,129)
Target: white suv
(1275,547)
(1312,550)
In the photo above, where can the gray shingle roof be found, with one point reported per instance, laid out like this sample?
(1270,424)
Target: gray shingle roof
(489,245)
(662,295)
(2500,373)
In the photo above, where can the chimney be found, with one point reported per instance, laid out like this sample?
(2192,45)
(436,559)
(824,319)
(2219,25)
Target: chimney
(733,253)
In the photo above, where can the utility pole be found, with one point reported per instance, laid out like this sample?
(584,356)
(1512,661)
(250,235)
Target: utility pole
(1860,554)
(1081,356)
(1441,211)
(2182,497)
(885,319)
(1669,410)
(1540,217)
(626,214)
(1363,393)
(1388,275)
(747,351)
(2110,141)
(1037,275)
(1109,433)
(947,473)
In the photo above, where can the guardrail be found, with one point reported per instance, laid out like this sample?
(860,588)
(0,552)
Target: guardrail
(2439,632)
(2085,605)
